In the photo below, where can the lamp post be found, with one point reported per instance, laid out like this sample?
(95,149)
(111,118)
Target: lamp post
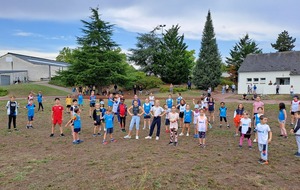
(10,60)
(161,26)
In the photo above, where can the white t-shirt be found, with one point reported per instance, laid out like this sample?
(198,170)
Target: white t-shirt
(151,100)
(115,106)
(202,124)
(245,125)
(173,116)
(157,110)
(196,115)
(295,106)
(182,108)
(167,113)
(262,133)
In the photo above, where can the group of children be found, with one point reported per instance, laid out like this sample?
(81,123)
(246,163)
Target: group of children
(178,115)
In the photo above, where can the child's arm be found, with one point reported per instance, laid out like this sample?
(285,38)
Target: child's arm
(95,115)
(194,101)
(285,115)
(234,114)
(69,122)
(129,112)
(143,111)
(163,113)
(270,137)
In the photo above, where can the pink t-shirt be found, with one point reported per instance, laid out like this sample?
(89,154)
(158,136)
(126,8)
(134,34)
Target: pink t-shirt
(172,117)
(257,105)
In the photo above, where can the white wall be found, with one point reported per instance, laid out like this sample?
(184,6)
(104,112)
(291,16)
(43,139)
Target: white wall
(263,87)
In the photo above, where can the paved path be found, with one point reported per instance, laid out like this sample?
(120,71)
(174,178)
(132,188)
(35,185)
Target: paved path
(45,83)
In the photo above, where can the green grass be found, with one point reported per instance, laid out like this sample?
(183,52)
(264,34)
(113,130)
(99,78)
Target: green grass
(22,90)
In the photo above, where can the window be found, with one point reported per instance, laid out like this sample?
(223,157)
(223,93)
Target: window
(256,79)
(262,80)
(249,79)
(283,81)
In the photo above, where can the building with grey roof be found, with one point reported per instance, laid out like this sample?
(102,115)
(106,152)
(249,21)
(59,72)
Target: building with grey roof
(270,70)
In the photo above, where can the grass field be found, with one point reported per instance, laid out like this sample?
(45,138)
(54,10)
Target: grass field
(30,159)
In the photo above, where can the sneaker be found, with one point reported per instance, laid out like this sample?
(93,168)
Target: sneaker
(127,137)
(254,140)
(16,129)
(91,117)
(285,137)
(9,131)
(297,155)
(228,126)
(250,147)
(157,138)
(170,143)
(94,135)
(51,135)
(31,127)
(187,134)
(104,129)
(203,146)
(181,134)
(123,130)
(292,124)
(27,127)
(99,134)
(113,140)
(200,144)
(80,141)
(240,146)
(104,142)
(236,135)
(175,143)
(264,153)
(75,142)
(62,135)
(148,137)
(220,126)
(137,137)
(264,162)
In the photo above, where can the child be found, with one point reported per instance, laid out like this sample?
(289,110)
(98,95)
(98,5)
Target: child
(157,112)
(97,115)
(223,114)
(167,122)
(122,113)
(245,129)
(12,112)
(110,100)
(30,96)
(77,126)
(259,113)
(147,115)
(202,127)
(179,98)
(80,100)
(169,101)
(173,117)
(282,120)
(211,110)
(264,137)
(237,116)
(30,107)
(151,100)
(92,102)
(73,107)
(68,103)
(57,117)
(109,123)
(196,114)
(187,121)
(296,131)
(115,107)
(182,107)
(137,112)
(40,100)
(103,111)
(295,106)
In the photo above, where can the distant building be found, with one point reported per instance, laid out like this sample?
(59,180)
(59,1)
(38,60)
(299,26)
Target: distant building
(267,70)
(15,67)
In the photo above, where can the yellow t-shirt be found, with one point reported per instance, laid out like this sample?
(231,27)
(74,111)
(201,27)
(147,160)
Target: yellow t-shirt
(68,101)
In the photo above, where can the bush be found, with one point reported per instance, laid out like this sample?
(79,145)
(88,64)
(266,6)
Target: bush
(165,89)
(140,78)
(3,92)
(57,82)
(224,81)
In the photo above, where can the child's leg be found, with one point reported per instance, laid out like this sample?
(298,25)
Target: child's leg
(183,128)
(172,135)
(298,143)
(104,137)
(10,118)
(61,129)
(145,123)
(225,119)
(213,117)
(42,106)
(137,126)
(249,142)
(236,129)
(181,122)
(203,141)
(175,135)
(200,139)
(195,129)
(75,136)
(292,119)
(52,128)
(265,152)
(283,129)
(90,111)
(221,119)
(242,139)
(111,136)
(95,129)
(188,128)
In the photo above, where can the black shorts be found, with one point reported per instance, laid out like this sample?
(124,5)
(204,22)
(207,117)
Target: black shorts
(147,116)
(92,105)
(68,106)
(202,134)
(109,130)
(181,114)
(76,130)
(187,122)
(97,123)
(167,122)
(225,119)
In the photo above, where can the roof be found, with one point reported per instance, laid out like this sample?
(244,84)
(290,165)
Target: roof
(39,61)
(280,61)
(14,71)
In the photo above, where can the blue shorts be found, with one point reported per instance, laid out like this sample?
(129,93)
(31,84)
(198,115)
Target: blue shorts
(109,130)
(30,118)
(92,105)
(76,130)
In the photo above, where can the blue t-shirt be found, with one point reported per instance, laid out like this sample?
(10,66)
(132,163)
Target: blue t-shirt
(80,99)
(188,116)
(77,121)
(30,109)
(93,99)
(110,102)
(147,108)
(103,110)
(257,119)
(178,99)
(281,115)
(223,111)
(109,120)
(169,102)
(40,98)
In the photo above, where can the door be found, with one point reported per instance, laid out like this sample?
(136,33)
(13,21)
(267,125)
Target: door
(5,80)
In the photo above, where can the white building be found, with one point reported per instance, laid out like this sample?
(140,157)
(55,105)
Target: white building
(267,70)
(27,68)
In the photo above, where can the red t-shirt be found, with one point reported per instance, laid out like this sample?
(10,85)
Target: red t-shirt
(57,111)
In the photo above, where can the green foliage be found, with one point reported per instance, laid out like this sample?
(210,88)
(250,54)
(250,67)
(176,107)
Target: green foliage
(239,52)
(3,92)
(65,55)
(57,81)
(165,89)
(284,42)
(207,71)
(224,81)
(174,62)
(140,78)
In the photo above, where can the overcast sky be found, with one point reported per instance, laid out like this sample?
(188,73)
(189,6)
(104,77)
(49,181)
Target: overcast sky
(43,27)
